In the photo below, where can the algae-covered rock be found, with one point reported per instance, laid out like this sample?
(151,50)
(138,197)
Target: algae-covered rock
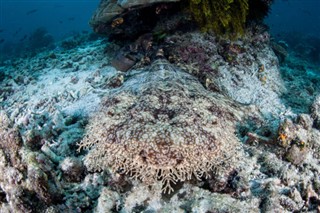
(24,175)
(72,168)
(187,199)
(109,200)
(128,16)
(297,138)
(10,140)
(315,112)
(296,155)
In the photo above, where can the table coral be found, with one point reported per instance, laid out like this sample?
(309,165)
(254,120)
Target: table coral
(162,125)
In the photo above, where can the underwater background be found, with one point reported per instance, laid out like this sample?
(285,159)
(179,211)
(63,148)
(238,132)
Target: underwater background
(159,106)
(295,16)
(20,21)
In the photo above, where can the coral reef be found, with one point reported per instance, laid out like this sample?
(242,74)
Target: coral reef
(296,138)
(23,179)
(222,94)
(302,82)
(238,69)
(315,112)
(300,71)
(39,130)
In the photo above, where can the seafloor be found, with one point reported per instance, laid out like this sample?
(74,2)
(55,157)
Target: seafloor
(270,113)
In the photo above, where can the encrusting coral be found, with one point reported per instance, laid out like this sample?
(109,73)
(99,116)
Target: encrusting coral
(156,129)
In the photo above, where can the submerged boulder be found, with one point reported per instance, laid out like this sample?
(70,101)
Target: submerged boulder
(224,17)
(129,18)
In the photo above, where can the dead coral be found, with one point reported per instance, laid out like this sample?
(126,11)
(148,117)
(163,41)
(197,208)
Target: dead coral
(72,168)
(10,141)
(156,129)
(11,168)
(297,138)
(315,112)
(26,179)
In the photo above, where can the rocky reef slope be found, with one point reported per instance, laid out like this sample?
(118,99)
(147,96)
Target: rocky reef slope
(202,118)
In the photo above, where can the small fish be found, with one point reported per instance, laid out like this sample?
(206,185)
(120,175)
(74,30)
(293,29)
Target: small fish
(31,11)
(71,19)
(1,30)
(1,41)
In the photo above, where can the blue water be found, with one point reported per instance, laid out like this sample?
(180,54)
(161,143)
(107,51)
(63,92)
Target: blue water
(294,16)
(56,19)
(63,18)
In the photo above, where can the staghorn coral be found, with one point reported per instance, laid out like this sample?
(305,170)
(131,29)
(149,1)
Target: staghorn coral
(162,125)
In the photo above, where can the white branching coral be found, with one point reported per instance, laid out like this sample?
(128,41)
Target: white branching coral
(162,125)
